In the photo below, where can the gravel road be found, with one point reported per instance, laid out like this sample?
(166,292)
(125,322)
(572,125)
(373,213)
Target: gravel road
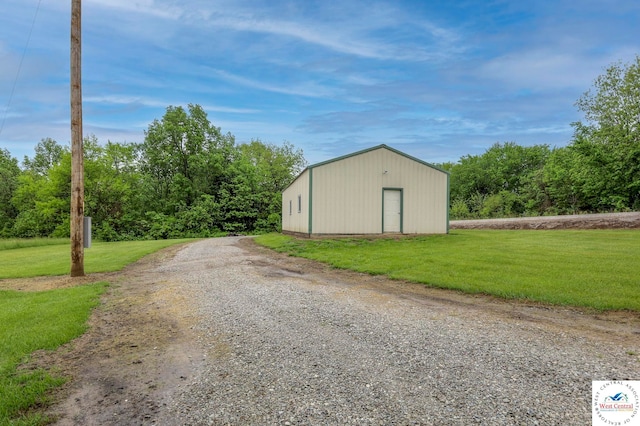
(581,221)
(275,344)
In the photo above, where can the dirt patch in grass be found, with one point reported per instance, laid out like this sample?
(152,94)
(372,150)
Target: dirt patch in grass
(50,283)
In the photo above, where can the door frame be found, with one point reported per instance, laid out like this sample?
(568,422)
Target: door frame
(401,190)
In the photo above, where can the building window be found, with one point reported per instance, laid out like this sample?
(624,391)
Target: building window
(290,208)
(299,203)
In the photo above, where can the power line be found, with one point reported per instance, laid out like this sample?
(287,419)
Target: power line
(15,81)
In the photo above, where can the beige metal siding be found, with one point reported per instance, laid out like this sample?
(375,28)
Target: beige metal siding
(347,194)
(296,221)
(425,200)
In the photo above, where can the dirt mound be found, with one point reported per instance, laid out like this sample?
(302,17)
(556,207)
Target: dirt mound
(583,221)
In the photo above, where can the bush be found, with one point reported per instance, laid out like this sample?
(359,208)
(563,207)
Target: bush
(459,210)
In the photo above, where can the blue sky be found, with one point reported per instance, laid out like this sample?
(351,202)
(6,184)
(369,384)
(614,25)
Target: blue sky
(435,79)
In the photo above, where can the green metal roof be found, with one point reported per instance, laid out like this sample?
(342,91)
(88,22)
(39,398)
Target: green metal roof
(364,151)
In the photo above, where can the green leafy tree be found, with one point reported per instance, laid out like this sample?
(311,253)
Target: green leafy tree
(202,219)
(185,179)
(113,189)
(9,175)
(274,167)
(206,183)
(48,153)
(183,157)
(111,197)
(43,201)
(505,177)
(563,182)
(239,197)
(43,194)
(608,142)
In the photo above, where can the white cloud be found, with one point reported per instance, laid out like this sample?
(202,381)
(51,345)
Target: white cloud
(144,7)
(308,89)
(537,69)
(360,31)
(156,103)
(328,37)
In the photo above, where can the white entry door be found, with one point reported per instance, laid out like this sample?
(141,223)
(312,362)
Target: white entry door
(392,210)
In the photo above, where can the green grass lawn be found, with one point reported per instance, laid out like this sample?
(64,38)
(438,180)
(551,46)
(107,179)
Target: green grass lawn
(31,321)
(593,268)
(15,243)
(55,259)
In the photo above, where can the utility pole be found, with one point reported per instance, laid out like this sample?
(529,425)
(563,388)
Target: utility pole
(77,161)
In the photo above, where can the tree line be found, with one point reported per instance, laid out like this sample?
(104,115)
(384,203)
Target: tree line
(598,171)
(187,179)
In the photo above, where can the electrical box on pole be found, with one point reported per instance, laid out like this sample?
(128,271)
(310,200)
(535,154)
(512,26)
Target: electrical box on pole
(87,232)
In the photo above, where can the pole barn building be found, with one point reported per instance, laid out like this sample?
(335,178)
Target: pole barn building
(375,191)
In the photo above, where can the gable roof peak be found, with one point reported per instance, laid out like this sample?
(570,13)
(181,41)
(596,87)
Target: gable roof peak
(375,148)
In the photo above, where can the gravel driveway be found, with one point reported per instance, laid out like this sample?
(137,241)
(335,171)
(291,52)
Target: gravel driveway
(282,346)
(224,332)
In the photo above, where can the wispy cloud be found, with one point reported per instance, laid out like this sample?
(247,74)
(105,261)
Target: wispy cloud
(157,103)
(545,69)
(310,89)
(379,31)
(159,9)
(337,40)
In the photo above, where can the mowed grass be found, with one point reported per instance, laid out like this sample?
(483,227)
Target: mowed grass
(15,243)
(30,321)
(598,269)
(38,260)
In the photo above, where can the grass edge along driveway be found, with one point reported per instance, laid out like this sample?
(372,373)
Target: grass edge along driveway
(31,321)
(596,269)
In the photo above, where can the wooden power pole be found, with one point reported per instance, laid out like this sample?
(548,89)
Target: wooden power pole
(77,161)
